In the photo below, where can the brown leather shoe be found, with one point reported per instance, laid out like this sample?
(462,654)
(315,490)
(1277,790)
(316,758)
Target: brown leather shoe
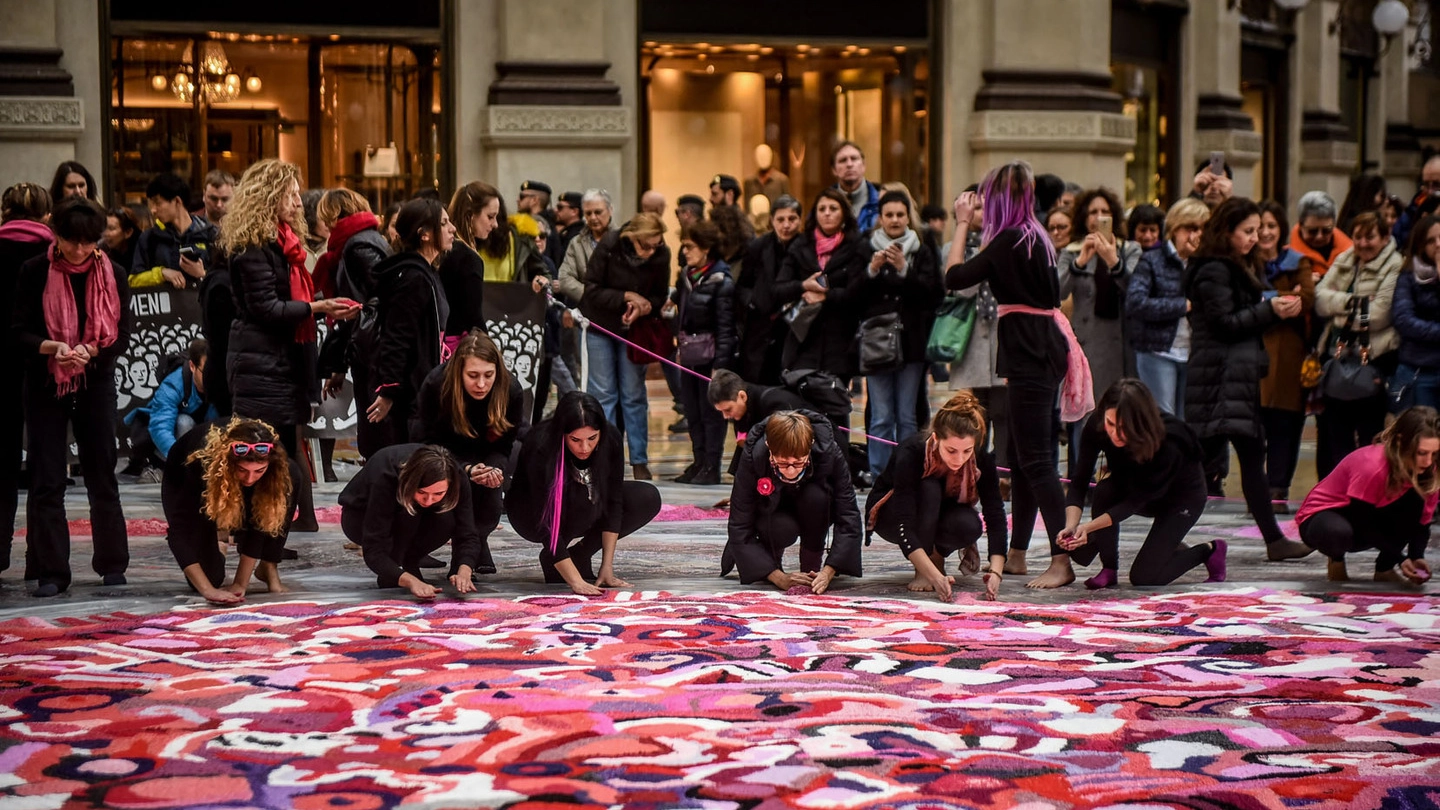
(641,472)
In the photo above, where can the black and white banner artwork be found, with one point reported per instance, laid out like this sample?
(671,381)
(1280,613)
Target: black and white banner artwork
(166,320)
(515,320)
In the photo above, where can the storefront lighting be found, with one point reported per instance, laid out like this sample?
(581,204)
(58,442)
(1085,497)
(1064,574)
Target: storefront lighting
(900,49)
(864,51)
(253,84)
(158,81)
(710,69)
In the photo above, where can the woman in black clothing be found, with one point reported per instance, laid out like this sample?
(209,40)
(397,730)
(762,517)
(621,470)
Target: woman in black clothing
(705,322)
(412,312)
(1228,320)
(72,179)
(23,236)
(924,501)
(1036,348)
(569,485)
(352,251)
(762,333)
(122,234)
(818,271)
(233,478)
(406,502)
(793,483)
(71,321)
(472,407)
(1156,469)
(485,240)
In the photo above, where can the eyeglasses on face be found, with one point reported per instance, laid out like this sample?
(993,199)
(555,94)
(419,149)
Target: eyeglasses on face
(247,449)
(790,465)
(1325,231)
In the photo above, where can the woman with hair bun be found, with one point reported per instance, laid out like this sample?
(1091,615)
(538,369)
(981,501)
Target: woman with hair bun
(924,501)
(233,478)
(1156,469)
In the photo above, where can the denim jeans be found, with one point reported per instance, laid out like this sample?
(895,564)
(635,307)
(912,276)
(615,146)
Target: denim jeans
(1413,386)
(1166,380)
(616,381)
(892,397)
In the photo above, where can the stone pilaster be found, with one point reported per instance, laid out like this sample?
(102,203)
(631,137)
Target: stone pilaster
(1213,49)
(1401,156)
(1328,151)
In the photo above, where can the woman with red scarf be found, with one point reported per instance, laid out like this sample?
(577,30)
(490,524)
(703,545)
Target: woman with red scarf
(71,322)
(924,501)
(272,353)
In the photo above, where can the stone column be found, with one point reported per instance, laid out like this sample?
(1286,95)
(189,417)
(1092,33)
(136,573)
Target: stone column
(1212,46)
(49,87)
(554,89)
(1045,94)
(1328,153)
(1400,162)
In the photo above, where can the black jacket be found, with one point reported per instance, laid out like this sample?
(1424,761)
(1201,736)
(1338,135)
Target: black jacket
(354,274)
(903,475)
(432,423)
(182,496)
(272,377)
(614,270)
(757,315)
(463,273)
(827,346)
(390,529)
(914,295)
(160,247)
(1174,476)
(217,315)
(28,328)
(1416,315)
(530,490)
(749,509)
(14,254)
(709,308)
(412,308)
(1228,319)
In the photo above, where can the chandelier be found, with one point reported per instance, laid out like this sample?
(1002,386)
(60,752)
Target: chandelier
(211,77)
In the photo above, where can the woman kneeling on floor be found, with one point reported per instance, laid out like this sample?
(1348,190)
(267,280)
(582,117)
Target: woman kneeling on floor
(234,478)
(793,483)
(924,501)
(1382,497)
(570,485)
(1156,469)
(405,503)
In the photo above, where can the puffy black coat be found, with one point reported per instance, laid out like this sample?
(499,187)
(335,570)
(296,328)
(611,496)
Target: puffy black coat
(354,275)
(272,377)
(914,295)
(13,254)
(827,346)
(709,308)
(1228,319)
(614,270)
(412,309)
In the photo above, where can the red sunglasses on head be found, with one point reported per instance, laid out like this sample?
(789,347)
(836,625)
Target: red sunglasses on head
(243,449)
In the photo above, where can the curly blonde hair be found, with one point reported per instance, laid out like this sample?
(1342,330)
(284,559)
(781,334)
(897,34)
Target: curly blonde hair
(224,501)
(254,212)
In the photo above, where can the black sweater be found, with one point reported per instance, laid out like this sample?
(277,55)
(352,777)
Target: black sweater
(1172,476)
(914,296)
(433,426)
(530,488)
(28,328)
(903,475)
(182,495)
(413,309)
(1030,346)
(390,528)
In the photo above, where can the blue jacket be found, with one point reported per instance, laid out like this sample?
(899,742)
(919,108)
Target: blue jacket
(1416,315)
(869,215)
(168,403)
(1155,302)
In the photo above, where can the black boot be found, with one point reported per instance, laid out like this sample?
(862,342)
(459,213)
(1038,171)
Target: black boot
(707,476)
(688,477)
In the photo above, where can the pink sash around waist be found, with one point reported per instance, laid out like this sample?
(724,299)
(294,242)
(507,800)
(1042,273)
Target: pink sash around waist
(1077,392)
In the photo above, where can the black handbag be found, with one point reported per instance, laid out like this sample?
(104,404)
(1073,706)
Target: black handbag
(1348,376)
(878,343)
(696,350)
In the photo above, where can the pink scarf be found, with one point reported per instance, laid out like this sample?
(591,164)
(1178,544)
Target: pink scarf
(26,230)
(1077,393)
(963,484)
(62,320)
(825,245)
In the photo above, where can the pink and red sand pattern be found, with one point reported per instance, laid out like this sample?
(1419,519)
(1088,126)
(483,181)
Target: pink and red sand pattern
(1243,700)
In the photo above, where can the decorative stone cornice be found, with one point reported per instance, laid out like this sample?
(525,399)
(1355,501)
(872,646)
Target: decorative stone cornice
(41,117)
(1055,130)
(1329,157)
(511,125)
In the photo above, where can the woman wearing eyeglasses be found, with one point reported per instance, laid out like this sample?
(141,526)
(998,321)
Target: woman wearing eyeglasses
(793,484)
(234,478)
(408,501)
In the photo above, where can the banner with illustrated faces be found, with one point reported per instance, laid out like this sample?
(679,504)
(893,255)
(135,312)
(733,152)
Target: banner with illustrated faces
(336,417)
(166,321)
(515,320)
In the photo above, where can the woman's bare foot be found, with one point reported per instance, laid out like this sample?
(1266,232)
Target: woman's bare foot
(1058,575)
(1335,571)
(1015,561)
(223,596)
(921,584)
(969,560)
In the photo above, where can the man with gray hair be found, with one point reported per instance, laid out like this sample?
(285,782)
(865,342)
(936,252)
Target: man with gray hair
(1315,236)
(597,210)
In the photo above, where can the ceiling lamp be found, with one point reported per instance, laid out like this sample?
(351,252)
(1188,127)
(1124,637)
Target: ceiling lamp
(212,79)
(1390,17)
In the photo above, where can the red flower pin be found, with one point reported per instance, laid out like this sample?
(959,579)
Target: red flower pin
(764,486)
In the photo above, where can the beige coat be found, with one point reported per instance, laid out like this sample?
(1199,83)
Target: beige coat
(1376,280)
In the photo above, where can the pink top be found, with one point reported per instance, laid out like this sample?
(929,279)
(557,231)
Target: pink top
(1360,476)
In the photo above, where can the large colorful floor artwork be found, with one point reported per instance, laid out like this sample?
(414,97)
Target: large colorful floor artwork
(1246,700)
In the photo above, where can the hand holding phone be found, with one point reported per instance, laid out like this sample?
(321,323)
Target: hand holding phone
(1104,226)
(1217,163)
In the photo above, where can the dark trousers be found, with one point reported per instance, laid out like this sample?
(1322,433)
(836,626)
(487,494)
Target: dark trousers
(1164,557)
(707,426)
(487,505)
(12,443)
(300,473)
(640,503)
(203,547)
(1345,427)
(1250,450)
(1282,445)
(90,414)
(784,526)
(1034,479)
(1359,526)
(942,525)
(372,437)
(996,402)
(425,541)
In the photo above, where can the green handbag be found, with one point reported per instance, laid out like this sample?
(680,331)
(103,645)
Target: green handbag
(950,336)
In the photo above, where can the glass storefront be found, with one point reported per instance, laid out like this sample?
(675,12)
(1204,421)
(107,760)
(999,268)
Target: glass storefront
(1144,61)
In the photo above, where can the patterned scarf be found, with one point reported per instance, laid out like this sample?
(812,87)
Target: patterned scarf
(301,288)
(962,484)
(62,319)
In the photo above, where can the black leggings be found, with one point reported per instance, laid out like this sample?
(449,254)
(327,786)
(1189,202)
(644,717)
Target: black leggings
(1253,481)
(942,525)
(487,505)
(1164,557)
(1034,478)
(1282,445)
(784,526)
(640,504)
(707,426)
(1359,526)
(426,541)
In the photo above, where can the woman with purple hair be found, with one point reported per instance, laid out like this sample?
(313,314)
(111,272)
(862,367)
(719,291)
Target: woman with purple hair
(1037,350)
(570,485)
